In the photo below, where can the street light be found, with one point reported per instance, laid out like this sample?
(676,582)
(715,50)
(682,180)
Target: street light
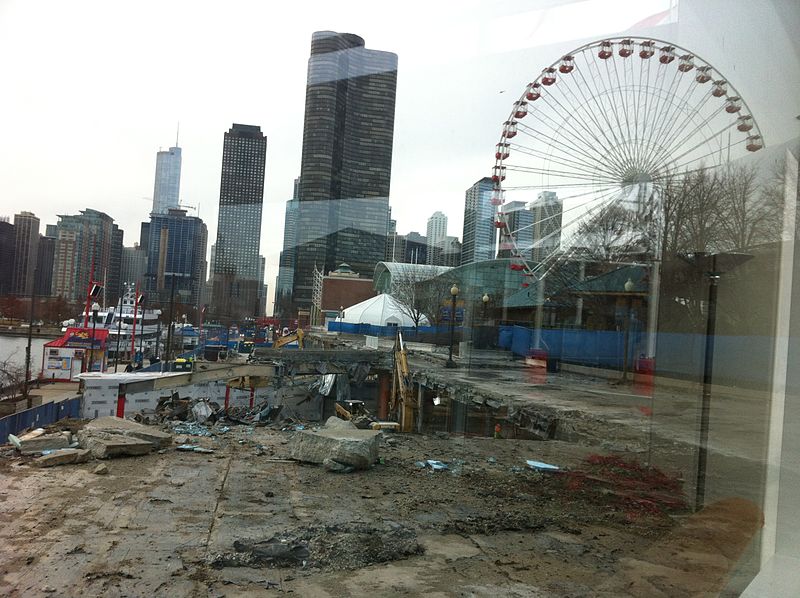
(629,287)
(454,293)
(485,300)
(183,347)
(95,309)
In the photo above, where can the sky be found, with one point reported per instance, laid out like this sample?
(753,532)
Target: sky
(93,89)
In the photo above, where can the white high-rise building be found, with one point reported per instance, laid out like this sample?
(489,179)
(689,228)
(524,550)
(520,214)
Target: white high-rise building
(168,180)
(436,236)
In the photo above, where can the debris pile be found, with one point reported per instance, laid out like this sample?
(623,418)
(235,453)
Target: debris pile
(345,546)
(39,440)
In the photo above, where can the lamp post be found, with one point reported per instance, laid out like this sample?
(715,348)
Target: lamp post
(95,309)
(629,286)
(485,300)
(183,327)
(453,293)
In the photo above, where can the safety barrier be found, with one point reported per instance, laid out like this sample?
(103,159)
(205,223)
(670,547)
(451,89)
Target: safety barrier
(38,417)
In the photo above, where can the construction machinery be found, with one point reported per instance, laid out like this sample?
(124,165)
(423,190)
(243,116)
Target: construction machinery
(402,398)
(297,335)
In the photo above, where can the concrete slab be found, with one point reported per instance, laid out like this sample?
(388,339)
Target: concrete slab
(105,445)
(126,427)
(63,457)
(353,447)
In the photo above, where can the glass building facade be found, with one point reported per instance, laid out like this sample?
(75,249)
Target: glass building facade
(166,192)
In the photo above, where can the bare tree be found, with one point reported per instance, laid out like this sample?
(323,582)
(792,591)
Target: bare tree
(12,378)
(421,291)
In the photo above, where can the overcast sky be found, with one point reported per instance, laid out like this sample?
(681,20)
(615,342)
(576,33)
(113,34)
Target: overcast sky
(92,89)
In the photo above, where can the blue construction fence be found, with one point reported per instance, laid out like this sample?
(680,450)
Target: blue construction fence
(37,417)
(409,332)
(737,359)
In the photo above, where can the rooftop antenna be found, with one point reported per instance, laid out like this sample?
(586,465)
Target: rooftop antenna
(177,134)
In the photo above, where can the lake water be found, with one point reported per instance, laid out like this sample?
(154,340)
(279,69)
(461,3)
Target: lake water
(13,347)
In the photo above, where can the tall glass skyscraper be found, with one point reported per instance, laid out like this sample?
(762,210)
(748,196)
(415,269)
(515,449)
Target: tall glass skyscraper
(478,242)
(547,215)
(346,160)
(237,266)
(177,248)
(168,180)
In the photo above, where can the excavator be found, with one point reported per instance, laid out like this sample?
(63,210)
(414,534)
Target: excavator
(297,335)
(403,399)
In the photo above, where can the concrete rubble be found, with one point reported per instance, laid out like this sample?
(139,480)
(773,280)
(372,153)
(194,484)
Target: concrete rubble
(348,447)
(109,436)
(38,440)
(63,457)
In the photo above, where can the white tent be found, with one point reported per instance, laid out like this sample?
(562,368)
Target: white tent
(381,310)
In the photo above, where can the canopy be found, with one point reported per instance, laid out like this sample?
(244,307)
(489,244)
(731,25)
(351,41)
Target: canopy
(381,310)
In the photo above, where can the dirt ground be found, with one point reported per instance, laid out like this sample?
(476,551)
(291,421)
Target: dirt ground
(246,521)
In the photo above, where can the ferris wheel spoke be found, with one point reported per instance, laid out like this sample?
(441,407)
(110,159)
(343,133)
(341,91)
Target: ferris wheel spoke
(577,146)
(652,113)
(677,132)
(674,109)
(699,159)
(615,142)
(619,90)
(578,166)
(577,206)
(536,170)
(570,122)
(693,131)
(613,104)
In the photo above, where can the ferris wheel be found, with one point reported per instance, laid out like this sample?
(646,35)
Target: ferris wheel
(610,123)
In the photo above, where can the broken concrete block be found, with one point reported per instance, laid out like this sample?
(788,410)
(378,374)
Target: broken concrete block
(63,457)
(37,441)
(126,427)
(101,469)
(105,445)
(356,448)
(339,423)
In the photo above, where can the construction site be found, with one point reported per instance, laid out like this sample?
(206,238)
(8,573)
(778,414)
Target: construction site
(346,470)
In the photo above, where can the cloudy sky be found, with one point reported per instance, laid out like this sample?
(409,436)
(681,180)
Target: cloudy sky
(92,89)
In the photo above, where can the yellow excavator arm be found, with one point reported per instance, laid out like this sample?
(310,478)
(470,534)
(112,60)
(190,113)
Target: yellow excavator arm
(297,335)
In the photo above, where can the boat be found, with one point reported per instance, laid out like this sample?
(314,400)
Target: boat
(119,321)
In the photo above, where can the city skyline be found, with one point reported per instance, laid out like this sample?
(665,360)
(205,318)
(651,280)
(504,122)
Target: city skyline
(135,124)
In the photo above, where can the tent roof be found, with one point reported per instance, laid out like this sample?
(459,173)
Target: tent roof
(377,310)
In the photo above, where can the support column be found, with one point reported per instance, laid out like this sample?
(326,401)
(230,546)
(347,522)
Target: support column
(384,389)
(121,401)
(227,396)
(252,396)
(420,403)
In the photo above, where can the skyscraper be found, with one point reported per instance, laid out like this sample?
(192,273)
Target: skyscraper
(177,249)
(84,242)
(519,218)
(44,266)
(346,159)
(547,215)
(26,246)
(436,235)
(168,180)
(7,249)
(478,241)
(241,198)
(283,284)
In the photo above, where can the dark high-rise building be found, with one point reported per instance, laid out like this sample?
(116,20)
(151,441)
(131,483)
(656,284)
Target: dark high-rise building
(237,267)
(144,235)
(7,249)
(26,246)
(478,240)
(177,249)
(346,159)
(43,281)
(134,265)
(113,281)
